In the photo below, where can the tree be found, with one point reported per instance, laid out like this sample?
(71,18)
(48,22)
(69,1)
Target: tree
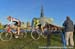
(23,25)
(28,25)
(1,26)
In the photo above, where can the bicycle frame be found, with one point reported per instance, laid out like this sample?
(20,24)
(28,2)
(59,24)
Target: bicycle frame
(9,29)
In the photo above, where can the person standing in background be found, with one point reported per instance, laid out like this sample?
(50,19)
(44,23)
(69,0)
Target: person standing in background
(69,29)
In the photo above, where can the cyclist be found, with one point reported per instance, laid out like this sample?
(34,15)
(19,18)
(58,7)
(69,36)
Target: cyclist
(36,23)
(17,23)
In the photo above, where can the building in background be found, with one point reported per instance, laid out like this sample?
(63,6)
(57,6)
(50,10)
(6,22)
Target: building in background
(28,26)
(43,19)
(23,25)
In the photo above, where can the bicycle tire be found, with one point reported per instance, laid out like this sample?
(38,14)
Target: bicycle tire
(35,34)
(4,36)
(23,34)
(44,34)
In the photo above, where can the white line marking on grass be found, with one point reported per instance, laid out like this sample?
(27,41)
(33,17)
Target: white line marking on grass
(53,47)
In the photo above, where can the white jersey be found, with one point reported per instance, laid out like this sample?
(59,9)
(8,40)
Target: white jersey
(13,20)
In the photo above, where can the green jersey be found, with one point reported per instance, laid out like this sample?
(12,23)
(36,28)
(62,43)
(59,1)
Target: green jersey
(36,22)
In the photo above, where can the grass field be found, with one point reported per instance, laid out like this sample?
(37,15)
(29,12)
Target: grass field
(29,43)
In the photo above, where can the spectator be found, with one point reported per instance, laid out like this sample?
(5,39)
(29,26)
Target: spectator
(69,29)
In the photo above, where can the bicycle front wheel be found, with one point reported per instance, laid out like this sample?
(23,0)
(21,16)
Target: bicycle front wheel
(35,35)
(4,36)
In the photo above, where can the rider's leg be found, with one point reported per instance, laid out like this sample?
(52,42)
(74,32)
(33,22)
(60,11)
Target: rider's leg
(14,28)
(36,27)
(18,30)
(42,28)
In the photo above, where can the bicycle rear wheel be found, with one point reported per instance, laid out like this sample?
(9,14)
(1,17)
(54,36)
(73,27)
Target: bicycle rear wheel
(4,36)
(44,34)
(23,34)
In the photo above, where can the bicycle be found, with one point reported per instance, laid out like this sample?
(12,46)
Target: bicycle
(36,33)
(8,34)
